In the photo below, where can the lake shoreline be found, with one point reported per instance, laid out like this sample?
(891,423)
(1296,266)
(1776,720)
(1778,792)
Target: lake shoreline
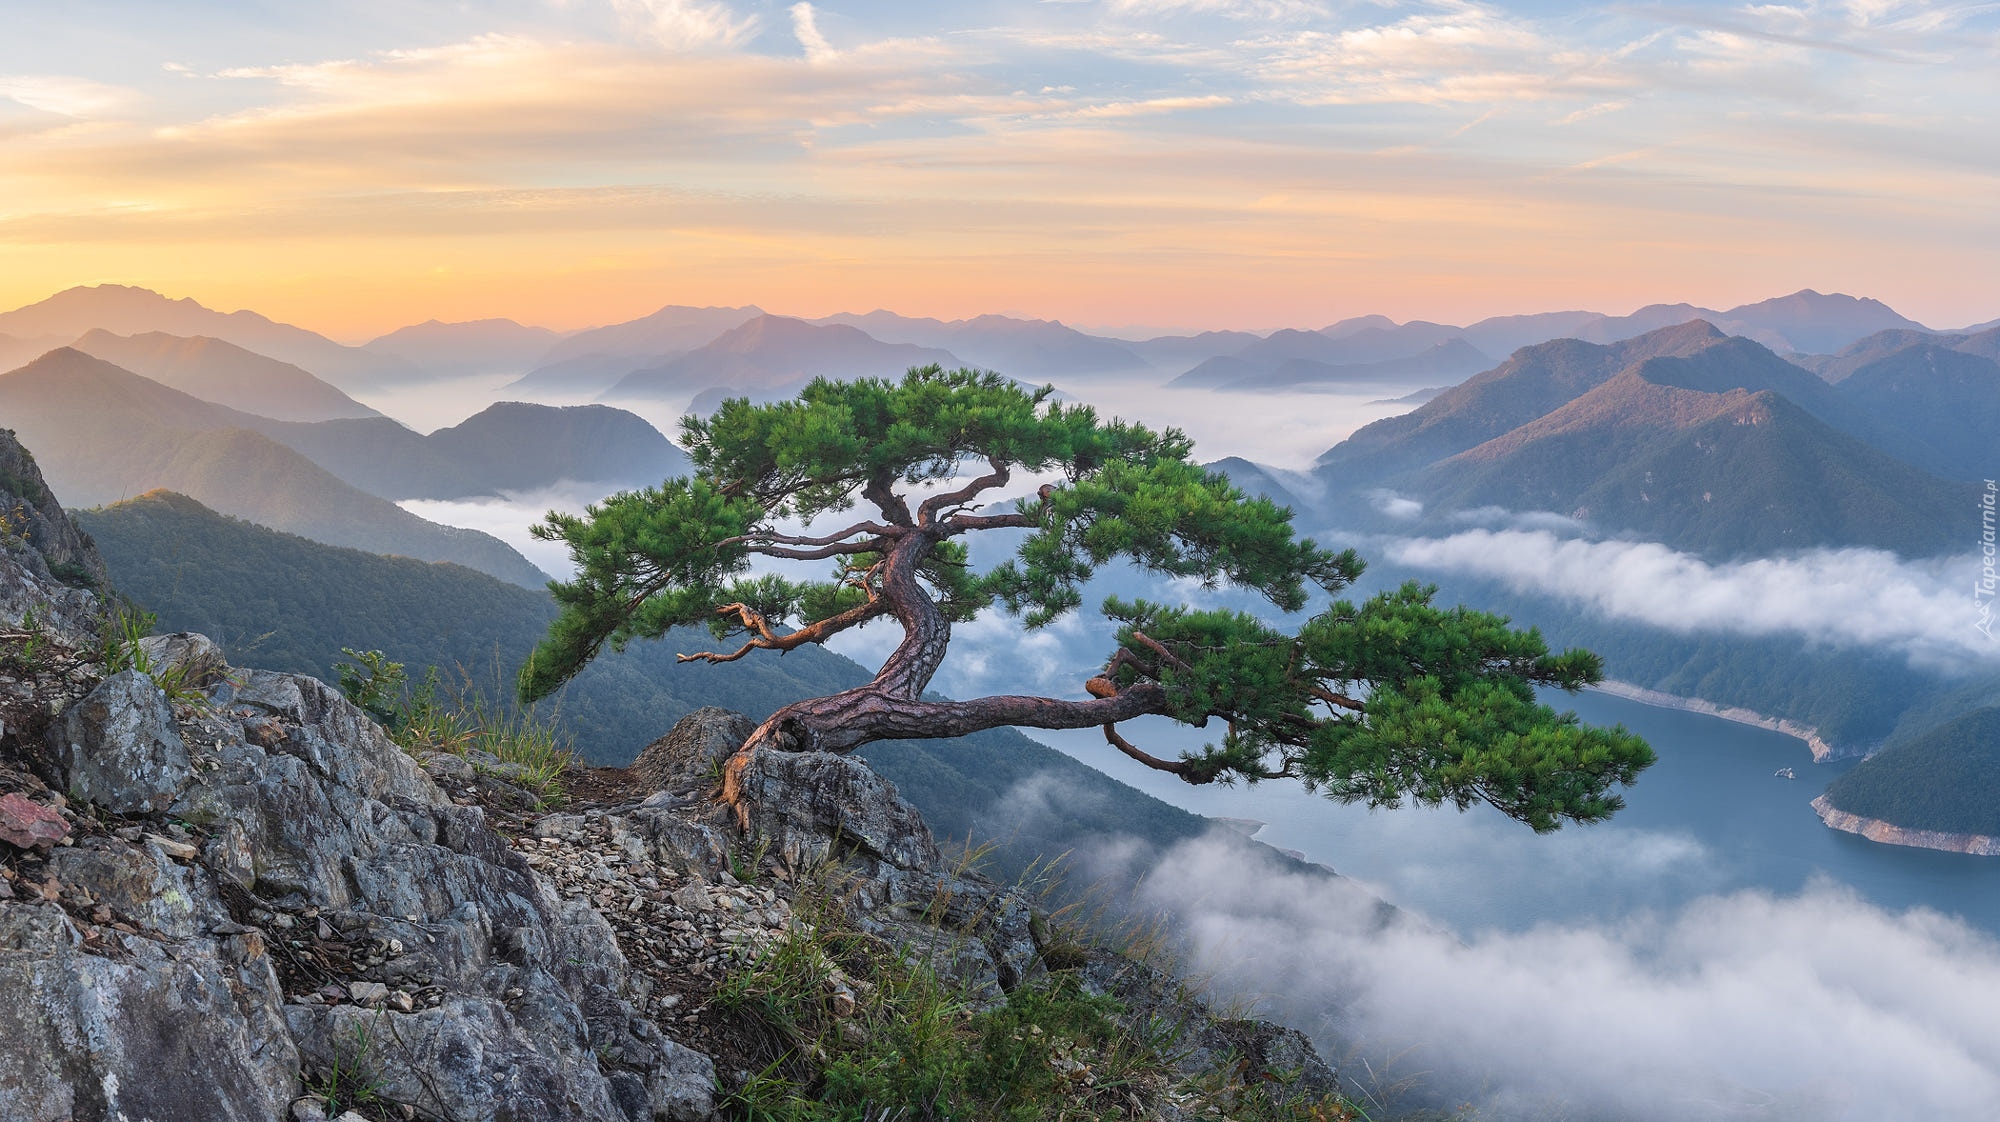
(1821,750)
(1888,833)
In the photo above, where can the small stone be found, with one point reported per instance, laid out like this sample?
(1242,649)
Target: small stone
(367,993)
(178,850)
(29,824)
(401,1002)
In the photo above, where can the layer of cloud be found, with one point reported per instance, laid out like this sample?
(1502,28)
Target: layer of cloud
(1737,1007)
(1845,597)
(1746,1006)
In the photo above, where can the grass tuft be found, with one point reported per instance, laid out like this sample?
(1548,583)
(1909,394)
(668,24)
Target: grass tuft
(462,720)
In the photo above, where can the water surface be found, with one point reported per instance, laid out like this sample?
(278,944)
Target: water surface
(1709,817)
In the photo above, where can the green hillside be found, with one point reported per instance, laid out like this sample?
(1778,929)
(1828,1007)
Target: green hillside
(280,601)
(1943,779)
(1943,403)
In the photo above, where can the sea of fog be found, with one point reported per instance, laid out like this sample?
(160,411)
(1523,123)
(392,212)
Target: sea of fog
(1287,430)
(1713,952)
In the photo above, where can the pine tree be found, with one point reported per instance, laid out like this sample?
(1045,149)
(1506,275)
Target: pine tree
(1390,699)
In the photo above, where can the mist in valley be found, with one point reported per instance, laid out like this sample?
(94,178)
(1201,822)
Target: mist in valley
(1812,1006)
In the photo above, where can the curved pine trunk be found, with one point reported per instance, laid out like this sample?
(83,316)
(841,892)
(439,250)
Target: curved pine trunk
(892,706)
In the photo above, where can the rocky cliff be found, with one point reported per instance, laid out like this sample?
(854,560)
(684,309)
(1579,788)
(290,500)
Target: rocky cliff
(227,894)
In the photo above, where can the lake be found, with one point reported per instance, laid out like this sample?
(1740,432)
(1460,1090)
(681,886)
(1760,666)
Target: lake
(1709,817)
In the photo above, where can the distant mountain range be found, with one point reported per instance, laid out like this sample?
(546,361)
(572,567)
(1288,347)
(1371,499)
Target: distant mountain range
(1375,350)
(123,310)
(1029,349)
(1933,399)
(105,434)
(508,446)
(1691,437)
(590,362)
(1446,361)
(456,350)
(221,372)
(654,356)
(774,355)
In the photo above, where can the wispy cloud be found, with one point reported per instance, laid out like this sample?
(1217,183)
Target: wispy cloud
(687,24)
(805,28)
(68,96)
(1846,597)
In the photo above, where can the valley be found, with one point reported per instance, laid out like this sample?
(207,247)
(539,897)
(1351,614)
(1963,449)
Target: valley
(1766,546)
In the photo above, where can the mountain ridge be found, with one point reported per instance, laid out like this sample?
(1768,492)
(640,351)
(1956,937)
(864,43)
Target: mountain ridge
(108,434)
(220,371)
(130,310)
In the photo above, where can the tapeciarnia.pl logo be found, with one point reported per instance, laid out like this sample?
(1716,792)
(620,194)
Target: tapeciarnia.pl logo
(1988,584)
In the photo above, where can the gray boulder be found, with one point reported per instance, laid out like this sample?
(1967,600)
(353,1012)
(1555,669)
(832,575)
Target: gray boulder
(317,841)
(145,1030)
(118,748)
(815,810)
(193,661)
(1259,1050)
(691,755)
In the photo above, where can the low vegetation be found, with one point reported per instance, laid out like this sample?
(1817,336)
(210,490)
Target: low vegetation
(853,1031)
(431,717)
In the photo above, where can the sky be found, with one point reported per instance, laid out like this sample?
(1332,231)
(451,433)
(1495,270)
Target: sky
(1184,164)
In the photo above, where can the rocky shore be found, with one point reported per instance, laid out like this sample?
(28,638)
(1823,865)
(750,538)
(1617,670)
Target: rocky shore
(1821,750)
(1876,830)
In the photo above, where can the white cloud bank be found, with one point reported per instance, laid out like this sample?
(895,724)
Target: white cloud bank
(1745,1006)
(1843,597)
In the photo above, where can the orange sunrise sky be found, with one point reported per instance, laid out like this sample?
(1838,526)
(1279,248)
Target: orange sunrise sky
(1180,165)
